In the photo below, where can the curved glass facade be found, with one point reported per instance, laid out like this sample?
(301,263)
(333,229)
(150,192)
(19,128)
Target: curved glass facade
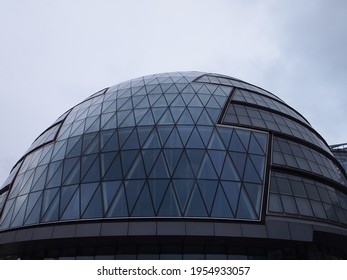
(190,145)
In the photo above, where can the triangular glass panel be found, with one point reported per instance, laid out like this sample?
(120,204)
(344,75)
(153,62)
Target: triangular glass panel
(54,174)
(39,178)
(50,205)
(204,90)
(144,206)
(185,131)
(176,112)
(262,140)
(71,171)
(19,210)
(186,118)
(129,120)
(235,143)
(147,119)
(244,137)
(254,192)
(124,115)
(225,134)
(94,209)
(90,168)
(136,100)
(46,154)
(251,175)
(120,102)
(220,100)
(153,99)
(174,140)
(109,190)
(232,192)
(123,135)
(126,106)
(155,90)
(195,113)
(137,169)
(143,132)
(172,89)
(74,147)
(178,102)
(108,121)
(140,92)
(161,102)
(195,157)
(65,196)
(64,132)
(229,172)
(259,164)
(188,89)
(127,159)
(214,114)
(195,102)
(217,158)
(77,128)
(59,150)
(166,118)
(33,216)
(149,157)
(94,110)
(196,87)
(183,169)
(172,156)
(183,188)
(239,161)
(204,119)
(133,189)
(92,124)
(208,190)
(221,208)
(195,141)
(72,210)
(157,189)
(159,169)
(212,103)
(118,207)
(196,206)
(143,103)
(90,143)
(170,97)
(164,132)
(216,142)
(131,142)
(8,211)
(109,106)
(187,96)
(205,133)
(139,113)
(27,182)
(207,170)
(108,141)
(165,86)
(152,140)
(254,147)
(204,98)
(87,191)
(157,113)
(245,208)
(169,206)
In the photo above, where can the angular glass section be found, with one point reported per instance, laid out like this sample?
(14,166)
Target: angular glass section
(295,155)
(294,195)
(260,118)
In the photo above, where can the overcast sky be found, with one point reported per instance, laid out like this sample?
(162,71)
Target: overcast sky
(53,54)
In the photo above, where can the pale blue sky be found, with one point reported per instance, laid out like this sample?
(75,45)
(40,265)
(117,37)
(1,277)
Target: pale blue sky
(53,54)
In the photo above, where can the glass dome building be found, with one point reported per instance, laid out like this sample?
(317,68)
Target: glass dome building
(184,165)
